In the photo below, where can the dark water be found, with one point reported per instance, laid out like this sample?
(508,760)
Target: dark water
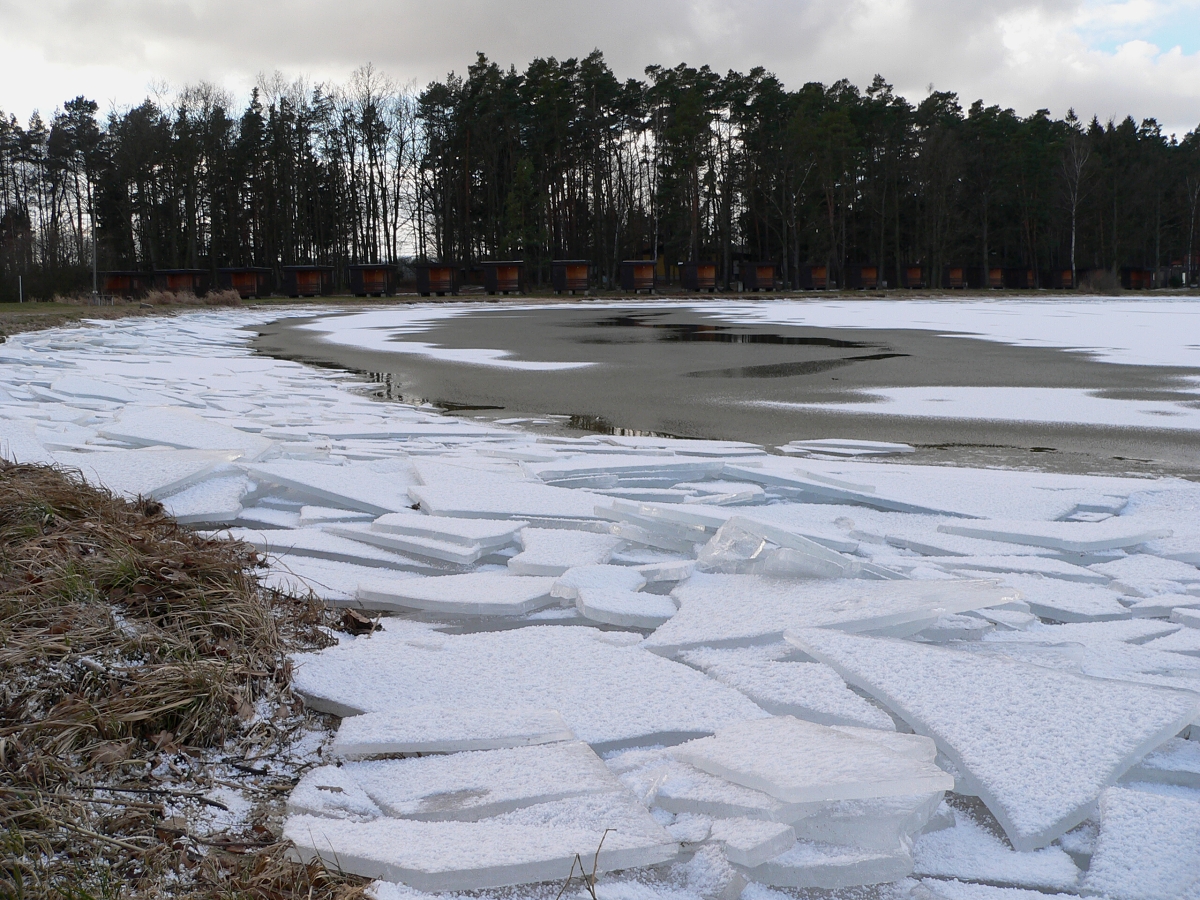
(680,372)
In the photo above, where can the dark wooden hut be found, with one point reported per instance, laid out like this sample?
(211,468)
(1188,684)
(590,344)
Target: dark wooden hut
(307,281)
(862,278)
(991,278)
(954,277)
(1136,278)
(758,276)
(1058,279)
(569,275)
(1019,278)
(178,281)
(698,276)
(638,275)
(812,278)
(371,279)
(507,277)
(248,281)
(125,284)
(914,277)
(436,278)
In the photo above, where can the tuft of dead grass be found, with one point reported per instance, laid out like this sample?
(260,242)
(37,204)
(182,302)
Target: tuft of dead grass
(133,652)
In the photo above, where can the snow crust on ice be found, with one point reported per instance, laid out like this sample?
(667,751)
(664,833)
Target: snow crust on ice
(166,426)
(1076,537)
(146,473)
(471,594)
(435,729)
(1037,746)
(814,865)
(551,551)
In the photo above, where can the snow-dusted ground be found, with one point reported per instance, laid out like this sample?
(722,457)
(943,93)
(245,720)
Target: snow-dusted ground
(734,673)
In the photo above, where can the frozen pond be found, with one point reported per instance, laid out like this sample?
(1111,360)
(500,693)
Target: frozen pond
(1097,384)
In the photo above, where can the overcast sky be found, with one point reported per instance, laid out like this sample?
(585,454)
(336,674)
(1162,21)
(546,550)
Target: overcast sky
(1139,57)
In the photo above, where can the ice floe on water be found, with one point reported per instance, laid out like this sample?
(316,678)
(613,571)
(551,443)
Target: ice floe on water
(708,670)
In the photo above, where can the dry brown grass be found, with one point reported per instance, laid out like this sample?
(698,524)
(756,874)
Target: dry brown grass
(186,298)
(135,654)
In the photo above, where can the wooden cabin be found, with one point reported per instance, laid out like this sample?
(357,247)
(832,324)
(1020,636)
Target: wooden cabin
(124,284)
(371,279)
(812,278)
(954,277)
(1019,278)
(181,281)
(307,281)
(991,278)
(698,276)
(436,278)
(569,276)
(638,275)
(504,277)
(248,281)
(1135,278)
(1058,279)
(862,278)
(758,276)
(915,277)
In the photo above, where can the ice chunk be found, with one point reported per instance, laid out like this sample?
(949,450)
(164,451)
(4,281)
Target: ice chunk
(167,426)
(470,594)
(334,793)
(1038,746)
(972,853)
(1132,573)
(93,388)
(318,544)
(538,843)
(1067,601)
(1075,537)
(667,570)
(844,447)
(1175,762)
(751,842)
(597,578)
(479,784)
(806,690)
(881,823)
(217,499)
(334,583)
(609,695)
(1162,606)
(1028,565)
(146,473)
(1189,618)
(961,890)
(742,610)
(492,534)
(432,729)
(680,788)
(551,551)
(625,609)
(498,499)
(1148,849)
(747,546)
(955,628)
(320,515)
(352,486)
(831,866)
(802,762)
(460,554)
(19,443)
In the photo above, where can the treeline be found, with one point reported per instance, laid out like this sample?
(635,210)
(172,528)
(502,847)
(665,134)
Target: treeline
(564,160)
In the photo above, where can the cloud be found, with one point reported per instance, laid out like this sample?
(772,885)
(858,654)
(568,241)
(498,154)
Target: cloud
(1104,58)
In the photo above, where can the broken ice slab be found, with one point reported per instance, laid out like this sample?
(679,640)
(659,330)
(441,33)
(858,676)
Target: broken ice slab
(599,578)
(538,843)
(146,473)
(354,486)
(744,545)
(610,695)
(1066,601)
(806,690)
(283,543)
(669,469)
(334,583)
(955,628)
(881,823)
(970,852)
(939,889)
(551,551)
(743,610)
(93,388)
(501,499)
(492,534)
(216,499)
(331,792)
(1131,573)
(1176,762)
(831,866)
(409,545)
(802,762)
(1189,618)
(1163,606)
(480,784)
(167,426)
(433,729)
(1075,537)
(1036,745)
(320,515)
(672,570)
(469,594)
(19,443)
(625,609)
(844,447)
(751,842)
(1026,565)
(1148,848)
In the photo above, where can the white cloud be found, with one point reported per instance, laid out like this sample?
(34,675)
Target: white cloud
(1102,58)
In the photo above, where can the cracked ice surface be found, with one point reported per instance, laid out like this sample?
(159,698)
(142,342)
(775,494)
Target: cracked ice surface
(552,643)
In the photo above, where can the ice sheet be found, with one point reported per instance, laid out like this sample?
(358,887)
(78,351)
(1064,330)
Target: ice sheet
(751,842)
(470,594)
(831,866)
(1065,601)
(551,551)
(1038,746)
(352,487)
(489,533)
(146,473)
(433,729)
(165,426)
(516,500)
(1076,537)
(216,499)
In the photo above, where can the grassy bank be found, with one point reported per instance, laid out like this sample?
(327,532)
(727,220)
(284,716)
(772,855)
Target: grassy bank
(147,733)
